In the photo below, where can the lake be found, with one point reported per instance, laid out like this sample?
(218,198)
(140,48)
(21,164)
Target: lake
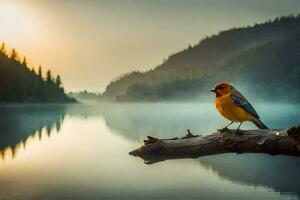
(81,152)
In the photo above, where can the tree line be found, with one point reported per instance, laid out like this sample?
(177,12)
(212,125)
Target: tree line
(20,83)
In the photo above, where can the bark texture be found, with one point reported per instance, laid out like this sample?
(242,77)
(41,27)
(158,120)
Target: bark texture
(273,142)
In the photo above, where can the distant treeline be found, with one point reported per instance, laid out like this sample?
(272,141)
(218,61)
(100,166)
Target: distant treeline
(19,83)
(263,59)
(83,96)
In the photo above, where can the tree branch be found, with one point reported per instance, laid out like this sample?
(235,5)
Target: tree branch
(273,142)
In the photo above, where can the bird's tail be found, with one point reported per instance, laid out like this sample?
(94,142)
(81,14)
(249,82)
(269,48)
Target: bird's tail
(259,124)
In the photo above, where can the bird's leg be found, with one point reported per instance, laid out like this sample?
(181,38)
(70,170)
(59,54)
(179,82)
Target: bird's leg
(225,128)
(238,130)
(228,124)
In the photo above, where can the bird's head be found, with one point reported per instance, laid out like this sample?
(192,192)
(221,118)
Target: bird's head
(222,89)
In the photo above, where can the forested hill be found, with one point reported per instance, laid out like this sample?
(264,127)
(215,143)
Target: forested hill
(262,60)
(18,83)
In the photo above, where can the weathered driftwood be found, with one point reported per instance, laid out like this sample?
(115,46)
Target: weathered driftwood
(273,142)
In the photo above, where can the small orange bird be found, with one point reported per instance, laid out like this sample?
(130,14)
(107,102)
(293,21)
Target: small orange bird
(234,106)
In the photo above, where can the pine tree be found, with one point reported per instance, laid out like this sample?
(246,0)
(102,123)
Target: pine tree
(24,62)
(14,54)
(33,71)
(20,82)
(3,48)
(58,81)
(40,74)
(48,76)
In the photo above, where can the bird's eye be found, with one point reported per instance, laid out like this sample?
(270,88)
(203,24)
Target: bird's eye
(220,87)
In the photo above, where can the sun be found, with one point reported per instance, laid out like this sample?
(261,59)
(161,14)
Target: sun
(12,19)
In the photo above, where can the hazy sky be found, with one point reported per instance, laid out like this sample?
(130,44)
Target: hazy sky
(89,43)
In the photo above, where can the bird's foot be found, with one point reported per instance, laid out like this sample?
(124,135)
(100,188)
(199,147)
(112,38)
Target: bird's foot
(189,134)
(222,130)
(238,132)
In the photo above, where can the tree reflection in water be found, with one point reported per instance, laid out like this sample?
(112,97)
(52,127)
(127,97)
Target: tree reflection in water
(19,123)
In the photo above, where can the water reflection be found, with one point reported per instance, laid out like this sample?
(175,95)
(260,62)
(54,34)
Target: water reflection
(280,173)
(90,154)
(21,122)
(135,122)
(165,120)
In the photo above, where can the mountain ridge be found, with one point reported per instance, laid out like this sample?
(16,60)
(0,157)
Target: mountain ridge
(185,74)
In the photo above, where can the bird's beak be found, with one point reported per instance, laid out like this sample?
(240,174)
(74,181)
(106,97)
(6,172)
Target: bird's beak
(213,90)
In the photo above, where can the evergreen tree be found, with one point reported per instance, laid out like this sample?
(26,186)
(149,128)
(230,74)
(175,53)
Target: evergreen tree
(33,71)
(58,81)
(14,54)
(24,62)
(48,76)
(3,48)
(40,74)
(22,84)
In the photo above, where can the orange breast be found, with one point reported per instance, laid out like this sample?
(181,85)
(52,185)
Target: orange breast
(231,111)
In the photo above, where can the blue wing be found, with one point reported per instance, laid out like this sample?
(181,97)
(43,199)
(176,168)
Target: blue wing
(240,100)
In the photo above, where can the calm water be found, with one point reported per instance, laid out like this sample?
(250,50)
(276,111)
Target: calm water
(81,152)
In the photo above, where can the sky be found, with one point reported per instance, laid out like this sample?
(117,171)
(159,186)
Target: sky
(89,43)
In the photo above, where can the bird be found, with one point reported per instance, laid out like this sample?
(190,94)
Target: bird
(232,105)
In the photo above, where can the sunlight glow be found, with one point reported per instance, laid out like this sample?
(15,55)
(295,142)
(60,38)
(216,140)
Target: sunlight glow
(12,19)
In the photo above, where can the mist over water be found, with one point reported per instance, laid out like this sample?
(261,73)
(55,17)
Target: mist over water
(81,152)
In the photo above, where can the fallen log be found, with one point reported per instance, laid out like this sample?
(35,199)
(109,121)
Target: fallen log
(272,142)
